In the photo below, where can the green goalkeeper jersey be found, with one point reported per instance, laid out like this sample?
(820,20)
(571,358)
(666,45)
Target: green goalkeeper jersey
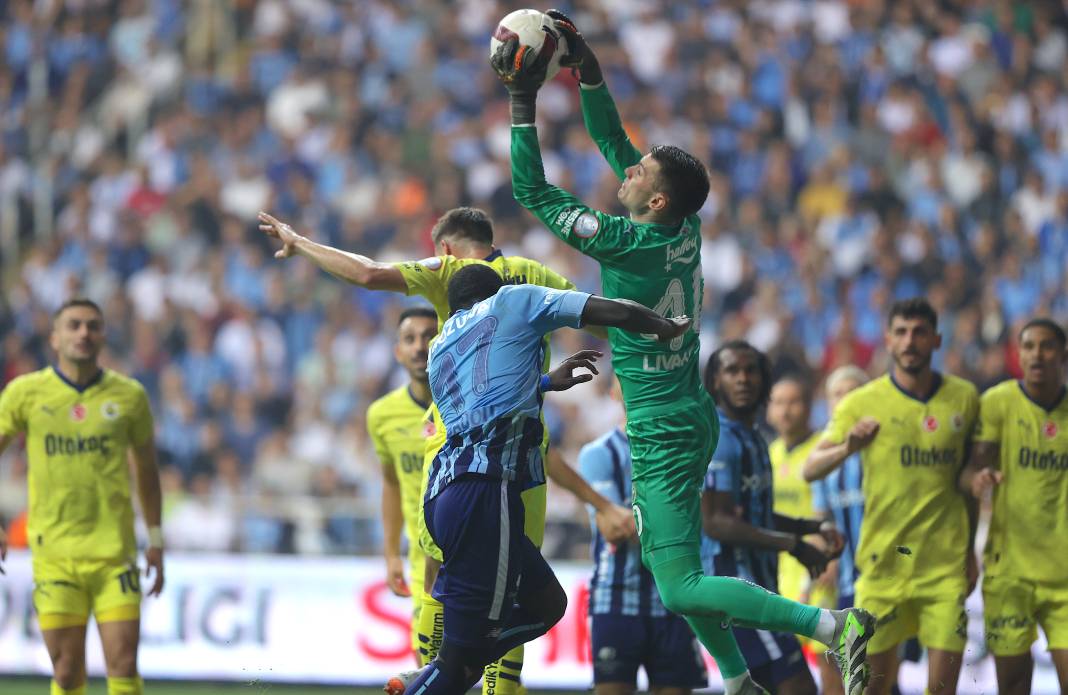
(653,264)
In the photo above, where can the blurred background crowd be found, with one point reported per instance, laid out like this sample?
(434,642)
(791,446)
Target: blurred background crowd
(862,151)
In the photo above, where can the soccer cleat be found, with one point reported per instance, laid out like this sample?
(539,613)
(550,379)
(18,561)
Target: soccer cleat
(850,648)
(400,682)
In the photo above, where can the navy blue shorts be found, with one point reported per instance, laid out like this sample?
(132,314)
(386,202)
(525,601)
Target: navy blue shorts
(665,646)
(489,563)
(772,656)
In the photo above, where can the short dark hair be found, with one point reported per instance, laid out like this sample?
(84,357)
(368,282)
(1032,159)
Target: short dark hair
(1050,324)
(77,301)
(471,285)
(471,224)
(683,178)
(423,312)
(715,363)
(802,382)
(914,308)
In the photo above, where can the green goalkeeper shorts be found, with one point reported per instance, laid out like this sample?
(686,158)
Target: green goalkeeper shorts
(670,454)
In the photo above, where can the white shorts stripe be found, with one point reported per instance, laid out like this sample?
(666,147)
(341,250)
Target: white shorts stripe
(770,644)
(500,587)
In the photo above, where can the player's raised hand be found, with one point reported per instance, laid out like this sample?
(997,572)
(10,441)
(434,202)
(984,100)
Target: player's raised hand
(154,566)
(673,328)
(832,538)
(862,434)
(563,377)
(985,479)
(277,229)
(579,56)
(520,68)
(395,577)
(616,524)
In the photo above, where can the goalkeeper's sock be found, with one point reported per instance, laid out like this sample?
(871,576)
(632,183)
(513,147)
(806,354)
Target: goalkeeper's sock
(431,628)
(502,676)
(126,686)
(56,690)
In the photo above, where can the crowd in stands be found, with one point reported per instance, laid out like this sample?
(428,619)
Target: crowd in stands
(861,152)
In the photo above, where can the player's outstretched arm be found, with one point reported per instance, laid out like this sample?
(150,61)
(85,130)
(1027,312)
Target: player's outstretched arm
(598,108)
(721,521)
(148,488)
(633,317)
(591,232)
(616,523)
(350,267)
(828,455)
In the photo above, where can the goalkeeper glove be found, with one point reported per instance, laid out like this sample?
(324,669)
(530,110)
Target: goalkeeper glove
(579,55)
(522,71)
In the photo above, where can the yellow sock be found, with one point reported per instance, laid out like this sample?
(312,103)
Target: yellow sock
(56,690)
(126,686)
(431,628)
(502,676)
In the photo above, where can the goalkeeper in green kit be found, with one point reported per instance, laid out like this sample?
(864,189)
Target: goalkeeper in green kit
(653,256)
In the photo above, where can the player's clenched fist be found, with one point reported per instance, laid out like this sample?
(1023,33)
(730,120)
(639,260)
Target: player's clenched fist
(985,479)
(862,434)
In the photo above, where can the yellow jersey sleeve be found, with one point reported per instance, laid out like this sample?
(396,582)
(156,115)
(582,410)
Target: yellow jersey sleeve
(12,407)
(142,425)
(849,410)
(991,416)
(429,278)
(375,421)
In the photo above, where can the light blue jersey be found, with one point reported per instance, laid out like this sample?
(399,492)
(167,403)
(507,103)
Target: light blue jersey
(840,493)
(485,369)
(741,467)
(620,584)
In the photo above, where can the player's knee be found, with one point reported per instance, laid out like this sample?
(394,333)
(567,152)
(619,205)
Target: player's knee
(123,665)
(552,603)
(68,671)
(679,597)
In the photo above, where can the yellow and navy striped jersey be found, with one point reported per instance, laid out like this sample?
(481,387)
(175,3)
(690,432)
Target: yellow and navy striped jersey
(395,424)
(915,528)
(79,479)
(1030,516)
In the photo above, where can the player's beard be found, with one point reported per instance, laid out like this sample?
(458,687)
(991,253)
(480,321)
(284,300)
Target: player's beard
(914,368)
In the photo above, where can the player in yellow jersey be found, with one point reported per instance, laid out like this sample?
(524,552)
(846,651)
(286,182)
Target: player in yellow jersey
(1021,452)
(395,423)
(461,236)
(81,422)
(916,566)
(789,407)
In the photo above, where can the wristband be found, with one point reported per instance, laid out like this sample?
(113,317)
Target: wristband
(155,537)
(544,386)
(522,108)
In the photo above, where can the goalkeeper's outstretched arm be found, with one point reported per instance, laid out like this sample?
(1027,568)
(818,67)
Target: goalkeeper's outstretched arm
(350,267)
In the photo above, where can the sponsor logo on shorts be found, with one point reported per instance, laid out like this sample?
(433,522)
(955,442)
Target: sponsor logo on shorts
(638,523)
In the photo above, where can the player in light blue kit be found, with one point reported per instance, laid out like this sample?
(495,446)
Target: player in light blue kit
(485,376)
(629,625)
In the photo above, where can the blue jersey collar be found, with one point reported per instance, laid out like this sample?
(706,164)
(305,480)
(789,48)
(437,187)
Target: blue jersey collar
(935,385)
(1056,404)
(80,389)
(497,253)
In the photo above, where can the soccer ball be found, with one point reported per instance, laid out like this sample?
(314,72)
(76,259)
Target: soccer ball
(534,29)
